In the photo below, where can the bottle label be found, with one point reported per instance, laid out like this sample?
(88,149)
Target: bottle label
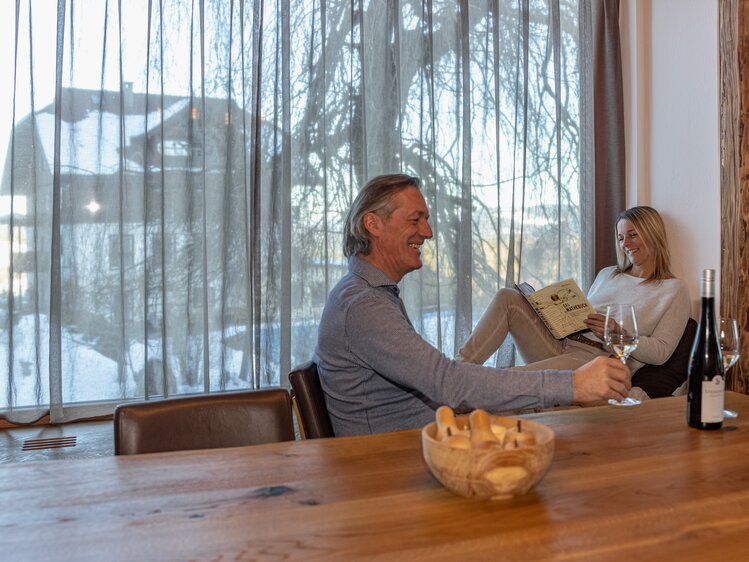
(713,393)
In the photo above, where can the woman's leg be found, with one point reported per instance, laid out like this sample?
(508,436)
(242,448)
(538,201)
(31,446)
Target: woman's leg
(570,358)
(509,312)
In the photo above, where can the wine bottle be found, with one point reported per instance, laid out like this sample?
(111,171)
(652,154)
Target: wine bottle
(706,376)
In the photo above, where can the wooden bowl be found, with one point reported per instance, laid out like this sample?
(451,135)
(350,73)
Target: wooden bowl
(492,472)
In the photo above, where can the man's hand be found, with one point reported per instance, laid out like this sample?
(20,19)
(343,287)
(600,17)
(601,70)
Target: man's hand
(601,379)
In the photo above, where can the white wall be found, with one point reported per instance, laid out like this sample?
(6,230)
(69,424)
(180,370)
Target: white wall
(671,84)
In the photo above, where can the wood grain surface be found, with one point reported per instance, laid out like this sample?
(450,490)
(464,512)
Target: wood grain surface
(734,177)
(625,484)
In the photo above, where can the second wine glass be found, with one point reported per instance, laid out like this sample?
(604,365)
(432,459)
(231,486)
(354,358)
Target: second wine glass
(728,337)
(621,335)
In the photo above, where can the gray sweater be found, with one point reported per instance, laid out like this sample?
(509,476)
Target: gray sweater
(662,310)
(379,374)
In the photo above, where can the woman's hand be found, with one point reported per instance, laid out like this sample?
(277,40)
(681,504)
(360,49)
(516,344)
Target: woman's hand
(596,323)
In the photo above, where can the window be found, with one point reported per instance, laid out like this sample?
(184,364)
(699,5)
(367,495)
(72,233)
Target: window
(175,148)
(483,105)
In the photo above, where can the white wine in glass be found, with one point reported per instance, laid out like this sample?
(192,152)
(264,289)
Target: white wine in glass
(623,348)
(729,342)
(728,337)
(621,335)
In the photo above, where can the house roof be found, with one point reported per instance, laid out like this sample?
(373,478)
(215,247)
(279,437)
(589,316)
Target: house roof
(98,127)
(91,145)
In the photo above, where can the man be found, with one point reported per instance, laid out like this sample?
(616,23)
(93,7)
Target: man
(378,373)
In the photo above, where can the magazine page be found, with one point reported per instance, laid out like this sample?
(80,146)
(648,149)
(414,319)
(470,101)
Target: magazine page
(563,307)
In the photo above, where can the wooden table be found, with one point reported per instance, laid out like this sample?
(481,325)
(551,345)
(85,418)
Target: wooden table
(625,484)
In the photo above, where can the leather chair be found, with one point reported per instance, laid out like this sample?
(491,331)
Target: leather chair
(667,379)
(308,396)
(207,421)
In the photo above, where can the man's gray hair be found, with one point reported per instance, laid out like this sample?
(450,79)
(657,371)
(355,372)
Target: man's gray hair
(374,197)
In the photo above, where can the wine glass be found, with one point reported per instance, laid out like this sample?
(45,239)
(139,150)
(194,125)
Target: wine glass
(621,335)
(728,337)
(729,342)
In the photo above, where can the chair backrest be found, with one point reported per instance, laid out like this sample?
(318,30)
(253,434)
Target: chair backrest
(207,421)
(310,401)
(664,380)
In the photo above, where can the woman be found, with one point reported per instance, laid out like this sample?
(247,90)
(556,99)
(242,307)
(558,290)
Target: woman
(642,277)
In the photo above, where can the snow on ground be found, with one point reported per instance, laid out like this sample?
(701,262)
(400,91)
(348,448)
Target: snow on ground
(88,375)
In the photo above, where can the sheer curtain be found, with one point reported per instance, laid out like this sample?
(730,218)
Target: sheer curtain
(177,172)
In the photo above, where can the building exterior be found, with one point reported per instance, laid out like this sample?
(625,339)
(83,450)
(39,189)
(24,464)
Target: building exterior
(151,209)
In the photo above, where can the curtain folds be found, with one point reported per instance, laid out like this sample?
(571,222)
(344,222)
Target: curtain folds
(604,121)
(177,173)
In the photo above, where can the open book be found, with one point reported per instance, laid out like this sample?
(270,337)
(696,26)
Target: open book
(562,306)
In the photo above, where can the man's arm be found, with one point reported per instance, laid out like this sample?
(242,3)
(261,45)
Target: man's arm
(381,337)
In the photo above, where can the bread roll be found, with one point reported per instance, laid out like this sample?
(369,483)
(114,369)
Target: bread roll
(481,430)
(446,425)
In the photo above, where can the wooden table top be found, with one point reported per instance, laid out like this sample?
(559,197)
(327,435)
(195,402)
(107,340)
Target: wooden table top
(625,483)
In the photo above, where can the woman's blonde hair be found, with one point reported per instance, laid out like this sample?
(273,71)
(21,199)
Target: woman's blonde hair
(649,225)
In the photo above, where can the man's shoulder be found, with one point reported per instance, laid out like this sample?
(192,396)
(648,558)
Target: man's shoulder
(353,289)
(354,306)
(370,273)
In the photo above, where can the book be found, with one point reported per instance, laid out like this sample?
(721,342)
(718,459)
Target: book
(562,306)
